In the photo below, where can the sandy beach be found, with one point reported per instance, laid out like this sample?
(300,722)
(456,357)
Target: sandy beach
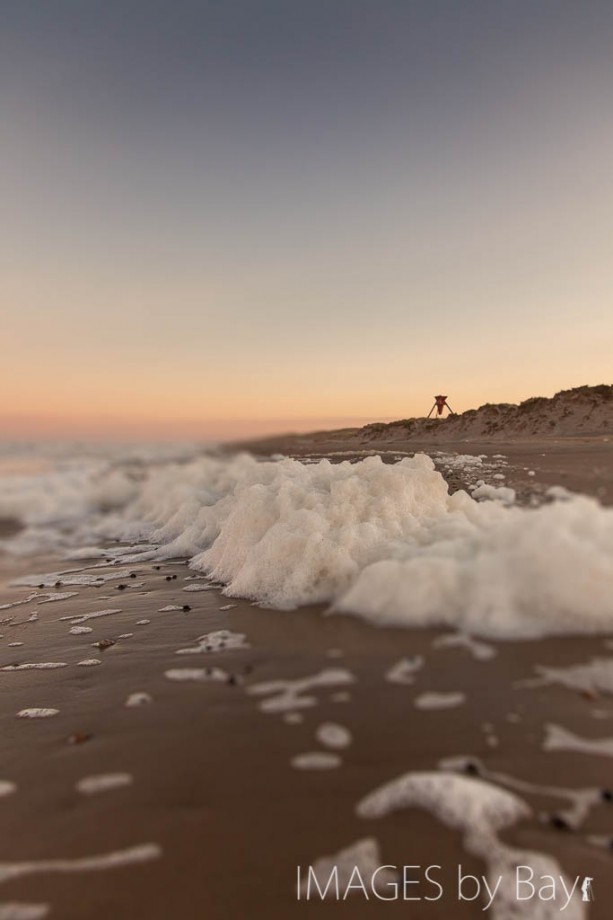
(205,797)
(306,460)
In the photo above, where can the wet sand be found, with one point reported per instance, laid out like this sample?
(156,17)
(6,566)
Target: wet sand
(213,785)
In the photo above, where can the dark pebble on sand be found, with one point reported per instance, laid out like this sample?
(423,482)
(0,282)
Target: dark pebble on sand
(186,607)
(173,577)
(157,567)
(132,574)
(104,644)
(560,823)
(168,578)
(41,586)
(231,679)
(58,584)
(471,768)
(606,795)
(78,738)
(120,587)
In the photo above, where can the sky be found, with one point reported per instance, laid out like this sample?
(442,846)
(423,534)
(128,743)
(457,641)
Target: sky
(223,217)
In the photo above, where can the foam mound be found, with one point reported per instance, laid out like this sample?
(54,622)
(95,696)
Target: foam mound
(385,541)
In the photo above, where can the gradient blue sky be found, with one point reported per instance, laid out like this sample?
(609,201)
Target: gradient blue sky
(221,217)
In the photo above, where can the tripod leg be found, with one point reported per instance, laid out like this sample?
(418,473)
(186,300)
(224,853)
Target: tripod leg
(431,411)
(450,409)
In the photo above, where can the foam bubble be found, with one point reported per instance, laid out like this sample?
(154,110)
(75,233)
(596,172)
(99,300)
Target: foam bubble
(316,760)
(403,672)
(363,855)
(35,666)
(480,651)
(37,713)
(332,735)
(217,641)
(138,699)
(439,700)
(103,782)
(82,618)
(558,738)
(196,674)
(21,911)
(131,856)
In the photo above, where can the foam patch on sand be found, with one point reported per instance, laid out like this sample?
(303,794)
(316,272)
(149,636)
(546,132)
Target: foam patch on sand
(440,700)
(196,674)
(480,811)
(128,857)
(558,738)
(218,641)
(316,760)
(288,695)
(404,671)
(35,666)
(480,651)
(385,541)
(582,801)
(360,860)
(140,698)
(334,736)
(104,782)
(596,676)
(84,617)
(18,911)
(39,713)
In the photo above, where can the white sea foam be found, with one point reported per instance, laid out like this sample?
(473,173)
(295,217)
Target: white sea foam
(131,856)
(217,641)
(582,801)
(140,698)
(596,676)
(332,735)
(316,760)
(35,666)
(558,738)
(21,911)
(385,541)
(403,672)
(363,855)
(439,700)
(481,651)
(196,674)
(37,713)
(479,810)
(82,618)
(288,695)
(103,782)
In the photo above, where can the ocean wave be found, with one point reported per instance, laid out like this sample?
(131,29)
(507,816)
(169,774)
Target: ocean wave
(384,541)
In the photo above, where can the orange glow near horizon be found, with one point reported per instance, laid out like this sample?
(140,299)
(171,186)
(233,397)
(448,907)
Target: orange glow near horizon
(300,221)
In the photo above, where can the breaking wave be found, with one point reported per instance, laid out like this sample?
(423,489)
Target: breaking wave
(384,541)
